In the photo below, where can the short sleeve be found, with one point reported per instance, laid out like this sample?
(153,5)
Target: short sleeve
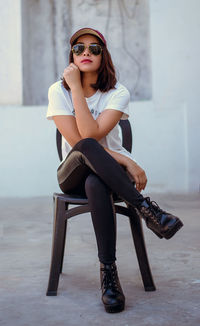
(119,101)
(59,103)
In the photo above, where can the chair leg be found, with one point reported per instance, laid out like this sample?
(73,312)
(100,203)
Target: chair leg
(63,249)
(138,238)
(57,246)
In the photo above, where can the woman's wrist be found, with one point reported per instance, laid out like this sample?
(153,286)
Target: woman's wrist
(76,88)
(126,161)
(131,162)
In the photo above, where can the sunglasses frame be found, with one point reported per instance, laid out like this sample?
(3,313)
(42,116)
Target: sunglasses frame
(89,48)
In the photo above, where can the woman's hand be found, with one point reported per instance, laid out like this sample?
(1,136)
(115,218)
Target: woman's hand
(134,171)
(72,76)
(137,173)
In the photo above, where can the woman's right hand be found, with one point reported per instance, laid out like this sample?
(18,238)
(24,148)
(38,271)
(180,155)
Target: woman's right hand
(72,76)
(137,173)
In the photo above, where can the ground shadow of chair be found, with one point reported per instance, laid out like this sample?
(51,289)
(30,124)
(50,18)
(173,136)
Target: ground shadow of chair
(62,213)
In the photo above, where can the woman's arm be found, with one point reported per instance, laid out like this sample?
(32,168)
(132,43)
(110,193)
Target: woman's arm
(132,168)
(86,124)
(66,124)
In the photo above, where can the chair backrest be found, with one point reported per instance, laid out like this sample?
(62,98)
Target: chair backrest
(126,137)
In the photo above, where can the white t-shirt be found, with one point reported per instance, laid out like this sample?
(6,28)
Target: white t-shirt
(60,103)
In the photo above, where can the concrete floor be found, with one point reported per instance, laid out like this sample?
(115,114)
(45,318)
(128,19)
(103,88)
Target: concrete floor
(26,231)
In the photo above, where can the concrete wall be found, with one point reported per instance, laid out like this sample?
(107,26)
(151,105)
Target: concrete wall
(175,29)
(10,53)
(44,46)
(28,152)
(47,26)
(166,129)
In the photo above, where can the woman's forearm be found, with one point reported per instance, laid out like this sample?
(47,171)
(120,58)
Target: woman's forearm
(120,158)
(87,125)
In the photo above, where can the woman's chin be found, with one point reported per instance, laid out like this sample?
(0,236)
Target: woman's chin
(86,69)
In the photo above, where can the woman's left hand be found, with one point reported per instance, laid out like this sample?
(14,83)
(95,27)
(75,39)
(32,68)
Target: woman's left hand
(72,76)
(138,174)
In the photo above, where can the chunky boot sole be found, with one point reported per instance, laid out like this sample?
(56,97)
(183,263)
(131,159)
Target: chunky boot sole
(114,309)
(169,234)
(159,235)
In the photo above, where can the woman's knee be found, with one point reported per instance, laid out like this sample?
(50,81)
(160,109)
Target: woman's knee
(86,144)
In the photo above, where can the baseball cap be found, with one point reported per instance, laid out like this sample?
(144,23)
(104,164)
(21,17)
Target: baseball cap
(87,30)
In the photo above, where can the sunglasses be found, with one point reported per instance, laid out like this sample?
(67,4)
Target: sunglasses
(95,49)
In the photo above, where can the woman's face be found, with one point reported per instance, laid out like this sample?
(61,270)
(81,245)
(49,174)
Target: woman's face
(86,61)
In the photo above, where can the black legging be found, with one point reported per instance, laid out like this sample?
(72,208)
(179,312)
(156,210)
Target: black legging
(89,170)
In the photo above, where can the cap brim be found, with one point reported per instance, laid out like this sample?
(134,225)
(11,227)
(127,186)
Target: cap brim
(83,32)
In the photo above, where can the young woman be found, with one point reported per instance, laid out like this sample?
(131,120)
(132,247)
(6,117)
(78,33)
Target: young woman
(86,107)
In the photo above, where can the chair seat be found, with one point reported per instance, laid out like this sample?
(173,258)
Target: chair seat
(79,200)
(72,199)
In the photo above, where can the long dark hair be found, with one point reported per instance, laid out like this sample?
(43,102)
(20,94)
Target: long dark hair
(106,74)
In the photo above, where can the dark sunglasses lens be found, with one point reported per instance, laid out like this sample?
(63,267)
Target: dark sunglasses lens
(78,49)
(95,49)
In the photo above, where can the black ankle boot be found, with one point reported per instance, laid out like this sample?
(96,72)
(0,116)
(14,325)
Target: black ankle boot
(112,294)
(160,222)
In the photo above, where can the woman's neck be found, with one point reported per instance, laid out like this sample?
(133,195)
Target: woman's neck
(87,80)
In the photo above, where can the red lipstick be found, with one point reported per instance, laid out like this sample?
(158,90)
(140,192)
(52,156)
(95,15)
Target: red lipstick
(86,60)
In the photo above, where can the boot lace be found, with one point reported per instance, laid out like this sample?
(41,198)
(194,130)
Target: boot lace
(153,211)
(109,279)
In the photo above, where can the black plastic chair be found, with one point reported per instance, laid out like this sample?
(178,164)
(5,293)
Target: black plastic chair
(62,214)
